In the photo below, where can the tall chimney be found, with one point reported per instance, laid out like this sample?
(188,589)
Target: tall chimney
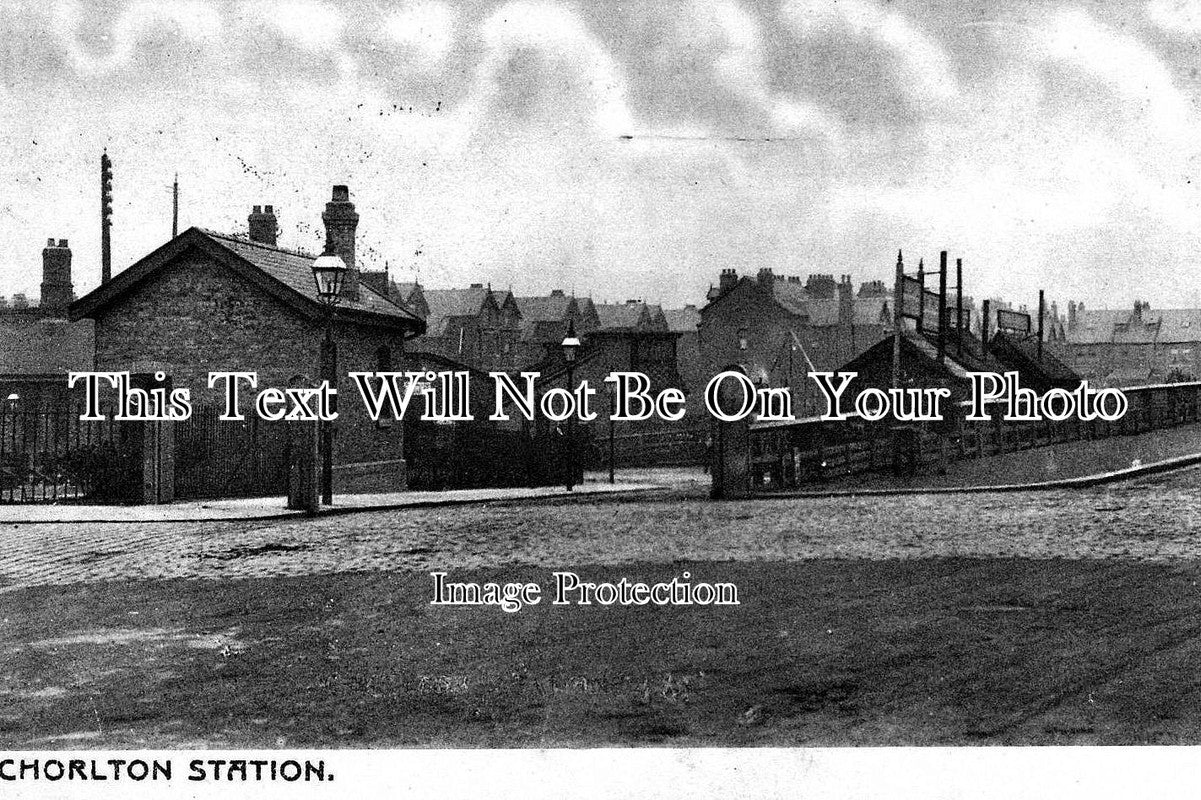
(57,291)
(846,301)
(263,225)
(341,222)
(175,207)
(106,217)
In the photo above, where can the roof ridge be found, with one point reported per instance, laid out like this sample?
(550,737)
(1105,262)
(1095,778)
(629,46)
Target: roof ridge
(263,245)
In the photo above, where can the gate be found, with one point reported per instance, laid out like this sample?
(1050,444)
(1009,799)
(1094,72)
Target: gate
(50,455)
(227,458)
(479,454)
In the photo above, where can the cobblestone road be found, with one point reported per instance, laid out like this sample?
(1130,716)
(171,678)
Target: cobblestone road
(1157,519)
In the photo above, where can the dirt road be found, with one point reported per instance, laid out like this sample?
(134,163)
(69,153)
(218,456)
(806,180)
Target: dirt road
(1071,619)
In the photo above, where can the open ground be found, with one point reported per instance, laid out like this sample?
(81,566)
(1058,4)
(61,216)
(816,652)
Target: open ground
(1040,618)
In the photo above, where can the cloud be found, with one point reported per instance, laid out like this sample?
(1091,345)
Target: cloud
(740,65)
(1125,64)
(426,27)
(192,19)
(313,25)
(1177,16)
(924,68)
(543,69)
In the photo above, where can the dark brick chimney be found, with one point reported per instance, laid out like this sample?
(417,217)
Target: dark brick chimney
(341,222)
(846,301)
(263,225)
(57,291)
(727,281)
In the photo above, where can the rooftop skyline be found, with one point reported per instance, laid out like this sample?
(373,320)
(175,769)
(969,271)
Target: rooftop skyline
(624,150)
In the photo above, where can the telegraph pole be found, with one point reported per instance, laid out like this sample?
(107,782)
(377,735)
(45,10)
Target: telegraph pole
(896,322)
(106,217)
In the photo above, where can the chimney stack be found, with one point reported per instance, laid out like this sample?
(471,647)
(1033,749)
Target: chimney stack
(341,222)
(727,281)
(57,291)
(846,301)
(263,228)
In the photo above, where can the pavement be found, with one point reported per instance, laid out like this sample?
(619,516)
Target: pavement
(264,508)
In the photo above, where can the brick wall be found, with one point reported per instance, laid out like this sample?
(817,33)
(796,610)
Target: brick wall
(199,317)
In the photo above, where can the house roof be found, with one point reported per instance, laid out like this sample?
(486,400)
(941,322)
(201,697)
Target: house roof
(43,346)
(447,304)
(620,315)
(869,308)
(545,308)
(793,297)
(537,313)
(1022,355)
(682,320)
(1120,326)
(823,311)
(285,274)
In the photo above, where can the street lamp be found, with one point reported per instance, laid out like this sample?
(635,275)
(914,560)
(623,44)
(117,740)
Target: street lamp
(329,273)
(571,344)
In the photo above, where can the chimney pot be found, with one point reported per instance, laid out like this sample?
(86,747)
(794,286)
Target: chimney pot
(268,209)
(341,193)
(50,243)
(262,226)
(62,242)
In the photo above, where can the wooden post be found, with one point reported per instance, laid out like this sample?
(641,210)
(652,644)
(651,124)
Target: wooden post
(959,306)
(897,300)
(151,444)
(303,462)
(731,465)
(1040,325)
(921,294)
(942,306)
(985,323)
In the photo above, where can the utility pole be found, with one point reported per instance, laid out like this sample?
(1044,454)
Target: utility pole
(1040,325)
(106,217)
(896,322)
(959,306)
(942,306)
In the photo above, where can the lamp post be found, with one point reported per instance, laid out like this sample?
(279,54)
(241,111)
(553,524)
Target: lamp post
(571,344)
(12,412)
(329,273)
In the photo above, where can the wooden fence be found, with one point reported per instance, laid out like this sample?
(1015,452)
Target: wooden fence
(790,454)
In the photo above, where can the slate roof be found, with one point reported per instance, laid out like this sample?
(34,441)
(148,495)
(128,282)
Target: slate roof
(868,309)
(538,313)
(1022,355)
(446,304)
(33,345)
(625,316)
(682,320)
(823,311)
(793,297)
(295,270)
(1156,326)
(285,274)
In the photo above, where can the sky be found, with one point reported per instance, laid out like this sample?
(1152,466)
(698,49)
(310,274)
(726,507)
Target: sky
(624,149)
